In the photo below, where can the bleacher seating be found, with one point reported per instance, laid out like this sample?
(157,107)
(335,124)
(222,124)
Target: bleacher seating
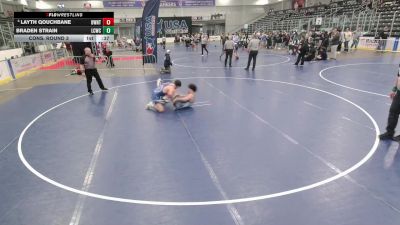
(342,14)
(6,33)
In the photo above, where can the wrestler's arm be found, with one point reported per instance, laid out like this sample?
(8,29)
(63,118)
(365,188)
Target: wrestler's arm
(184,98)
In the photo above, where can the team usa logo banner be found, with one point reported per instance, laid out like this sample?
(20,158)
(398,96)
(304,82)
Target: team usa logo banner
(149,28)
(169,25)
(174,25)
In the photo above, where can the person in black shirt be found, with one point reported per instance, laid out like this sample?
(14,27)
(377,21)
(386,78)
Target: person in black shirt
(303,51)
(394,112)
(88,68)
(322,55)
(325,40)
(167,63)
(383,36)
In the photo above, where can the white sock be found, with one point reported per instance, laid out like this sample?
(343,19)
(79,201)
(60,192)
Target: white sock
(158,82)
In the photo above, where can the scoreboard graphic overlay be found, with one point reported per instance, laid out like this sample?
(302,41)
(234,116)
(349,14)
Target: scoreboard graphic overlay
(64,26)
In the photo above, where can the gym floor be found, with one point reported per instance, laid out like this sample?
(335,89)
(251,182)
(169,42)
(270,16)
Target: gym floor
(279,145)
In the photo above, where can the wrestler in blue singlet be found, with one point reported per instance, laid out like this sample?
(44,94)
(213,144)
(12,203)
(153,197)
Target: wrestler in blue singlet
(158,93)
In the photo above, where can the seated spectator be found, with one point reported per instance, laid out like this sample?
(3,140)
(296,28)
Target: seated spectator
(138,44)
(322,55)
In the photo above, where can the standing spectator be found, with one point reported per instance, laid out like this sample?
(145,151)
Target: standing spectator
(383,36)
(164,42)
(138,44)
(236,40)
(274,40)
(253,48)
(324,40)
(204,41)
(293,46)
(348,36)
(303,51)
(187,41)
(286,39)
(335,37)
(269,40)
(228,47)
(223,40)
(88,68)
(108,53)
(264,40)
(356,38)
(341,40)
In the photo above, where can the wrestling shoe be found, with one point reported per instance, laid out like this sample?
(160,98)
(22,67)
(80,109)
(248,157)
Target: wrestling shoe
(150,106)
(397,138)
(386,136)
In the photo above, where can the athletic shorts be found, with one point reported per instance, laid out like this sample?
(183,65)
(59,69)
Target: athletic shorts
(158,99)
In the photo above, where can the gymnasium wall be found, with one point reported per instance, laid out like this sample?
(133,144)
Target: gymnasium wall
(238,12)
(236,15)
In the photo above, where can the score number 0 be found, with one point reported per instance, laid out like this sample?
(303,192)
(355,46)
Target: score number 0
(108,25)
(108,21)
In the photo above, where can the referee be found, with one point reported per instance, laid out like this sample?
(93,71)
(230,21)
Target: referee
(394,112)
(88,68)
(228,49)
(253,47)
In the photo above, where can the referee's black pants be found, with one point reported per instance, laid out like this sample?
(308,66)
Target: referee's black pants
(394,113)
(252,56)
(93,73)
(203,47)
(300,57)
(228,54)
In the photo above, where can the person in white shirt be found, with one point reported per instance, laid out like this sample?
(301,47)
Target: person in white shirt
(348,36)
(341,40)
(228,48)
(253,48)
(204,41)
(236,40)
